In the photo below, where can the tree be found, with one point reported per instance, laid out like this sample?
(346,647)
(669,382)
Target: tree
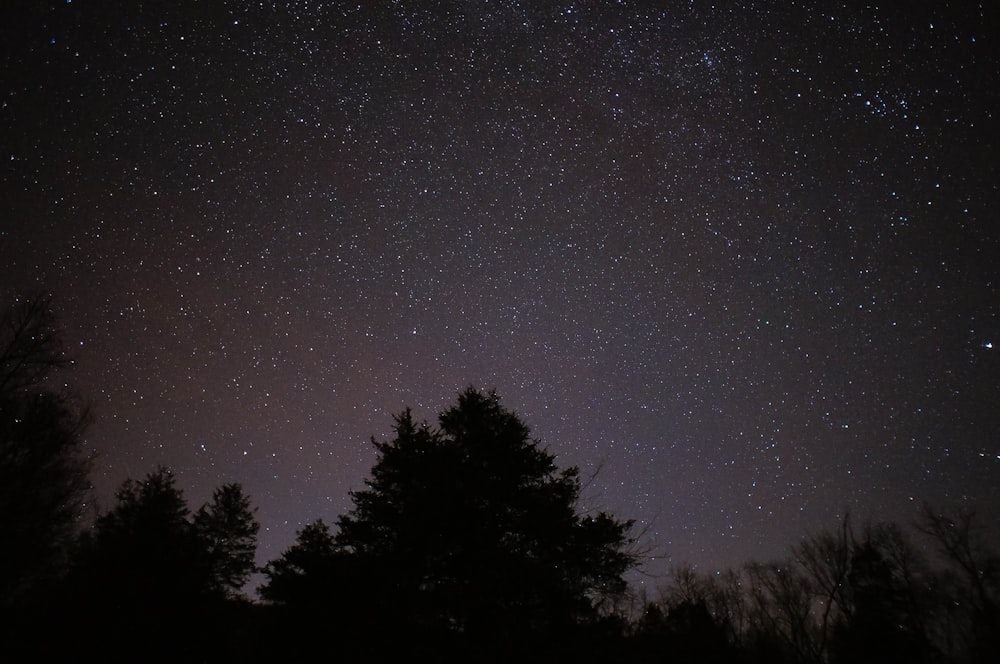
(887,623)
(781,608)
(227,529)
(43,471)
(31,347)
(144,552)
(302,576)
(825,559)
(150,572)
(698,617)
(973,581)
(471,529)
(151,548)
(720,593)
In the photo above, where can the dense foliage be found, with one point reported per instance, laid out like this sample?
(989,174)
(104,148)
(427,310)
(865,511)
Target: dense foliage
(467,532)
(466,544)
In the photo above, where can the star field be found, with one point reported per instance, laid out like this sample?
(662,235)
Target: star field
(741,260)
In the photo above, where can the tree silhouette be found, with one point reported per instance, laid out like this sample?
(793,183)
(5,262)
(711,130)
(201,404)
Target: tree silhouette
(721,594)
(150,572)
(972,580)
(697,618)
(316,588)
(781,611)
(302,576)
(470,529)
(227,529)
(30,345)
(880,628)
(150,549)
(43,472)
(144,552)
(825,560)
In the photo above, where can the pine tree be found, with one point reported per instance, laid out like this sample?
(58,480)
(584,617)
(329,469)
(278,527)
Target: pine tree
(228,530)
(471,528)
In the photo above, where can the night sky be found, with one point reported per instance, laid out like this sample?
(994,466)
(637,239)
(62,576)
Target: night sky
(742,261)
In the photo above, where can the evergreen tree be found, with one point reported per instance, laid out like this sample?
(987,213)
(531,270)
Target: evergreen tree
(471,529)
(227,529)
(150,572)
(143,553)
(301,576)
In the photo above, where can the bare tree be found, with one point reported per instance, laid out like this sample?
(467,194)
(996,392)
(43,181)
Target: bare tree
(825,559)
(781,605)
(30,345)
(972,621)
(43,470)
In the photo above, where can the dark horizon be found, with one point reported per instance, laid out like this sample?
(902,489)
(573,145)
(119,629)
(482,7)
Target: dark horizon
(468,543)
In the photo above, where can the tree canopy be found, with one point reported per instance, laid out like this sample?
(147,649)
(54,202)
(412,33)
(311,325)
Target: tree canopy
(226,530)
(467,543)
(150,545)
(470,528)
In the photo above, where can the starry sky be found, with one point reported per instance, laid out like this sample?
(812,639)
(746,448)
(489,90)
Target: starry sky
(737,261)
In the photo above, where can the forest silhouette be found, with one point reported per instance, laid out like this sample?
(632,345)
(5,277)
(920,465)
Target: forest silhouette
(468,543)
